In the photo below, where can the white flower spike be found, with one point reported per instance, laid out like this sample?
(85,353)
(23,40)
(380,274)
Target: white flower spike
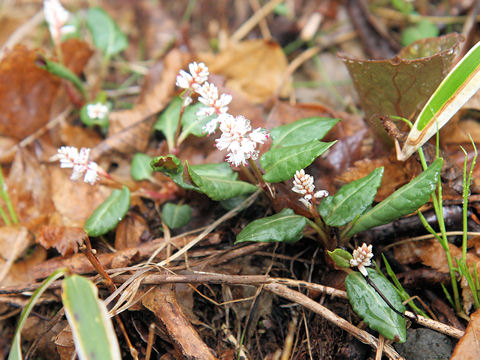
(193,80)
(56,17)
(361,258)
(236,139)
(70,157)
(303,185)
(97,111)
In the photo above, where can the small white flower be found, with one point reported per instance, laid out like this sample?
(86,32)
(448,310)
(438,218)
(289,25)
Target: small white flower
(67,29)
(361,258)
(70,157)
(56,17)
(198,75)
(213,103)
(187,101)
(303,185)
(97,111)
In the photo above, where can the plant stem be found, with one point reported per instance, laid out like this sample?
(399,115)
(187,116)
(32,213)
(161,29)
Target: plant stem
(179,126)
(258,175)
(321,233)
(5,218)
(6,198)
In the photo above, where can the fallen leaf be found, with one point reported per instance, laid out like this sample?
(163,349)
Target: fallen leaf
(129,231)
(65,239)
(468,347)
(254,68)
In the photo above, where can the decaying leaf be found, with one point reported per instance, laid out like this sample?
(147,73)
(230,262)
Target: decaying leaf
(468,347)
(254,68)
(401,85)
(65,239)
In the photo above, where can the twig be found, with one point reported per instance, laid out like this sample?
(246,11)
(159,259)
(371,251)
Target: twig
(248,25)
(381,345)
(151,336)
(255,5)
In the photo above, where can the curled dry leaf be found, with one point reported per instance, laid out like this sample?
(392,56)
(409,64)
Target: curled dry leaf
(468,347)
(129,231)
(65,239)
(254,68)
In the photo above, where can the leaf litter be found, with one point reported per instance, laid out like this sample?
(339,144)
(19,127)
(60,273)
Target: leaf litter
(203,318)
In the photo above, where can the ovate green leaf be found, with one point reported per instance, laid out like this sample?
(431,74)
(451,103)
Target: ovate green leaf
(402,202)
(106,34)
(88,318)
(281,164)
(351,200)
(368,304)
(141,169)
(302,131)
(219,187)
(109,213)
(286,226)
(176,216)
(193,124)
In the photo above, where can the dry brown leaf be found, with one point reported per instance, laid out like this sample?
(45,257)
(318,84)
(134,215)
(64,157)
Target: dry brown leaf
(14,240)
(28,92)
(129,231)
(65,239)
(254,68)
(468,347)
(65,344)
(28,186)
(22,273)
(74,201)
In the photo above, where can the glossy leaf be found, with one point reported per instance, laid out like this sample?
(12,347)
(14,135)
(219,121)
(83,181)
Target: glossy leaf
(217,186)
(281,164)
(106,34)
(368,304)
(16,350)
(302,131)
(461,83)
(168,120)
(402,202)
(351,200)
(87,315)
(341,257)
(285,226)
(175,216)
(109,213)
(140,168)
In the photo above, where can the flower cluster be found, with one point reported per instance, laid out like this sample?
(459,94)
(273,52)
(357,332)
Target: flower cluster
(237,135)
(303,184)
(70,157)
(56,17)
(239,139)
(361,258)
(215,103)
(97,111)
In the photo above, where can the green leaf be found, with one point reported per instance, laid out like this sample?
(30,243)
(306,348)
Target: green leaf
(106,34)
(368,304)
(59,70)
(16,350)
(109,213)
(141,169)
(282,163)
(87,315)
(285,226)
(302,131)
(217,186)
(168,120)
(351,200)
(341,257)
(191,123)
(424,29)
(402,202)
(176,216)
(461,83)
